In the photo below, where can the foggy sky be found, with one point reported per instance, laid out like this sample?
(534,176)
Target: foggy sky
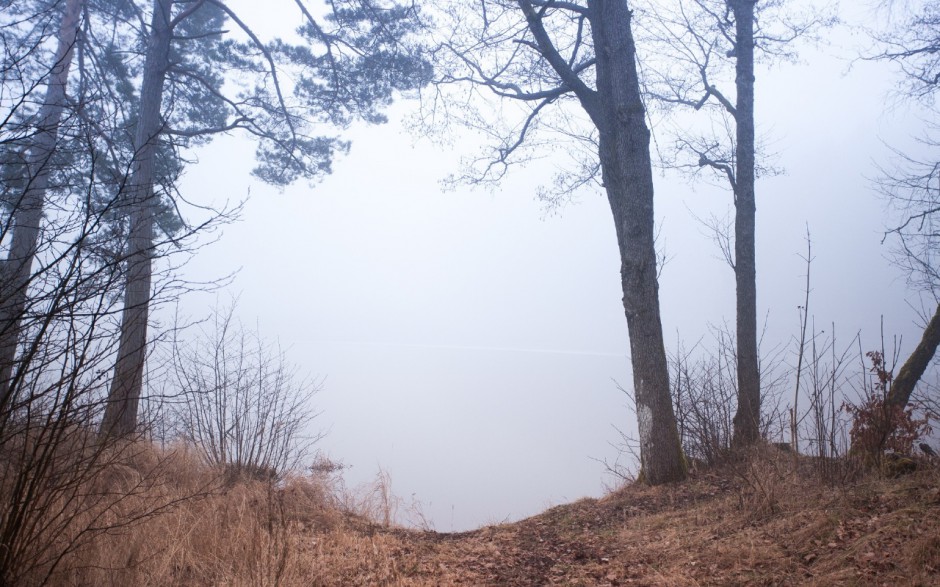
(472,342)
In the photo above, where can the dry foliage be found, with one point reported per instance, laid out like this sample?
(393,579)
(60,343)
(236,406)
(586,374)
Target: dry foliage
(216,531)
(877,425)
(763,518)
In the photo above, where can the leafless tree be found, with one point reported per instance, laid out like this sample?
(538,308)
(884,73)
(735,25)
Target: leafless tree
(911,40)
(571,66)
(698,50)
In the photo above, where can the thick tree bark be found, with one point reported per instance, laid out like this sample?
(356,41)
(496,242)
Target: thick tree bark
(747,418)
(910,373)
(16,269)
(616,109)
(627,172)
(120,416)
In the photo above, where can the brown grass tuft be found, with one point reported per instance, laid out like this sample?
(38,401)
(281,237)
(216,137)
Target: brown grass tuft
(766,519)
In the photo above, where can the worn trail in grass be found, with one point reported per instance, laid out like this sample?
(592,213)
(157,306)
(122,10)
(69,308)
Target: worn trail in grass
(770,522)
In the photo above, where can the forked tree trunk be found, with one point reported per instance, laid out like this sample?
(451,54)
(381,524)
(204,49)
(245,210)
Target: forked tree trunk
(16,269)
(747,418)
(120,417)
(628,178)
(913,369)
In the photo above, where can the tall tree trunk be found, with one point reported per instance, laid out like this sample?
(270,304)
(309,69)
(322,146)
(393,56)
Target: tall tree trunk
(16,269)
(120,417)
(911,371)
(627,172)
(747,418)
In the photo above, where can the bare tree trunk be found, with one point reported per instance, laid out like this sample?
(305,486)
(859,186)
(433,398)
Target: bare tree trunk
(747,418)
(16,270)
(910,373)
(120,416)
(628,178)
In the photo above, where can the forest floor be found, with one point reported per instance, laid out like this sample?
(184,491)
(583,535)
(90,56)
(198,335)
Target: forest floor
(768,522)
(772,518)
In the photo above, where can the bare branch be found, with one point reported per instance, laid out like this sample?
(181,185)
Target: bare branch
(569,77)
(562,5)
(505,152)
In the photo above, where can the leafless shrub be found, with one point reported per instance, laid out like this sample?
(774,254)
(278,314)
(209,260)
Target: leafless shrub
(417,517)
(703,382)
(63,490)
(62,487)
(241,403)
(821,380)
(705,391)
(820,428)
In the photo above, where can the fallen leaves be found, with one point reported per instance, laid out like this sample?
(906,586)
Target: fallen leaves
(884,532)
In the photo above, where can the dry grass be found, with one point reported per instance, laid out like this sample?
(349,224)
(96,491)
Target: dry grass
(767,520)
(219,532)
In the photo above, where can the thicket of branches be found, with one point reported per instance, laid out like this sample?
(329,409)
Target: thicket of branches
(239,401)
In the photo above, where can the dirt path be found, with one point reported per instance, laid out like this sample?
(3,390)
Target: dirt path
(784,529)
